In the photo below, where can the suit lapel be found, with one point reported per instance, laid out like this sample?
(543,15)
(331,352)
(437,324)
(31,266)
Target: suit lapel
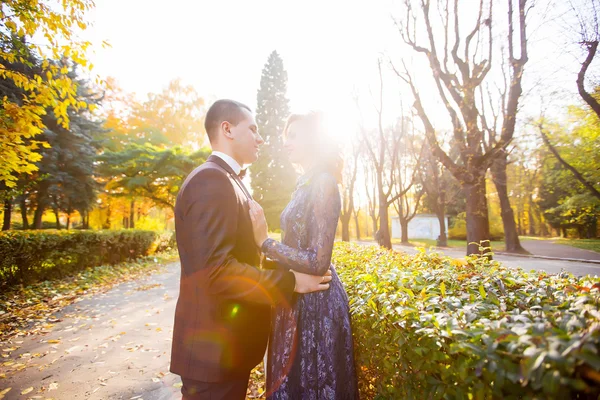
(219,161)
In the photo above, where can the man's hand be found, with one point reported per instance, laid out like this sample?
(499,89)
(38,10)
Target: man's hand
(310,283)
(259,223)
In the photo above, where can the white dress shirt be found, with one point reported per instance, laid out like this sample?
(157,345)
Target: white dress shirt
(229,160)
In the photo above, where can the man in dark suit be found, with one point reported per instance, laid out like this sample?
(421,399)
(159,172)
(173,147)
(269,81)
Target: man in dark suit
(222,318)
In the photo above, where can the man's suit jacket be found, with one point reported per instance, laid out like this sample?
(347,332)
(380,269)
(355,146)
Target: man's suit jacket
(222,318)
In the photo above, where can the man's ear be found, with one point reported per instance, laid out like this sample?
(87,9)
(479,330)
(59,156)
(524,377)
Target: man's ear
(226,129)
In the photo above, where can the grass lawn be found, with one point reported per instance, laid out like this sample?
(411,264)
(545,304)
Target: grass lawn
(587,244)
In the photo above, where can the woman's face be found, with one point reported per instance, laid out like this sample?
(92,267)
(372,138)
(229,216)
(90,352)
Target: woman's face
(298,146)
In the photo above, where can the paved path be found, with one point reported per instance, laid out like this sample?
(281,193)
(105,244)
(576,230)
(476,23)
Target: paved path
(549,248)
(115,345)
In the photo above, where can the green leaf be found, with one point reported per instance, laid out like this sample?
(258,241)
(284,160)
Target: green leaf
(482,291)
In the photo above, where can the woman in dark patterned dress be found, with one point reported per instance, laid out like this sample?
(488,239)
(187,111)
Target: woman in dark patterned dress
(310,352)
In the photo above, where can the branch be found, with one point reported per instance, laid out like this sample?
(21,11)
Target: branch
(568,166)
(588,98)
(458,171)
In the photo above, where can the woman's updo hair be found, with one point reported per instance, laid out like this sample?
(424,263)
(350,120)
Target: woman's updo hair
(327,150)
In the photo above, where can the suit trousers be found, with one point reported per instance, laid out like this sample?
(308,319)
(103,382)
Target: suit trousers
(228,390)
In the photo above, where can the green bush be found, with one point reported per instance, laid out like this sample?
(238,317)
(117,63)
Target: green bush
(165,241)
(29,256)
(430,327)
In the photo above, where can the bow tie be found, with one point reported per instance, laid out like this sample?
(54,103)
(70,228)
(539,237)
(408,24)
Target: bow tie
(242,173)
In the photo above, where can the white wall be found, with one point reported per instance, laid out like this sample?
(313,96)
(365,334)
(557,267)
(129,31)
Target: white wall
(424,226)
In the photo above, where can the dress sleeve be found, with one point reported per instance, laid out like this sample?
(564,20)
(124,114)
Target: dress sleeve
(316,259)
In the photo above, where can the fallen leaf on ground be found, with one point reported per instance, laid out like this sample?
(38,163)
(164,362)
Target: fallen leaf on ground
(53,386)
(28,390)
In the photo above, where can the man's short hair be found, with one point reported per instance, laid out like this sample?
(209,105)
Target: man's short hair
(223,110)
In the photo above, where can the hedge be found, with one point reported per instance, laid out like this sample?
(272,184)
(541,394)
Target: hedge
(29,256)
(431,327)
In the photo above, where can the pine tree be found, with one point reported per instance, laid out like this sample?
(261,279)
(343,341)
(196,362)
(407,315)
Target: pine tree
(273,177)
(67,167)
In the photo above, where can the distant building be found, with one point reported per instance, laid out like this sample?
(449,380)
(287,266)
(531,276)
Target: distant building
(422,226)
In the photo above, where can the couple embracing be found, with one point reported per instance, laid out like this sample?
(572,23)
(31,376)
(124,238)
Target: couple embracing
(229,307)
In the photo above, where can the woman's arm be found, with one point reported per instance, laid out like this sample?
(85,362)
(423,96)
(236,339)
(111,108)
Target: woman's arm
(317,258)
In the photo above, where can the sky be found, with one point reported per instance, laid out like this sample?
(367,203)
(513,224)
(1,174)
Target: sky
(220,47)
(329,49)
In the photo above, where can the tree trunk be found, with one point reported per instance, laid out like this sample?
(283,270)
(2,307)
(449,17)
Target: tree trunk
(37,216)
(345,220)
(384,226)
(56,214)
(511,236)
(42,197)
(132,214)
(7,214)
(478,224)
(23,207)
(357,226)
(563,231)
(68,220)
(531,217)
(404,229)
(106,224)
(443,240)
(374,225)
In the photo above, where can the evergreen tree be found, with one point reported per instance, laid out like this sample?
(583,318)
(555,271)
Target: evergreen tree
(67,168)
(273,177)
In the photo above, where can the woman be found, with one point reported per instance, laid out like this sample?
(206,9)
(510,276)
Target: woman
(310,352)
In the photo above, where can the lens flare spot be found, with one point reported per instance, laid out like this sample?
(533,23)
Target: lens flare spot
(235,310)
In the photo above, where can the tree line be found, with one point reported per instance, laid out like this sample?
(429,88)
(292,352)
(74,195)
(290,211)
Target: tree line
(89,150)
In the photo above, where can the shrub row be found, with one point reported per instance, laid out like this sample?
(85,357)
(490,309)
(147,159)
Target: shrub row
(29,256)
(431,327)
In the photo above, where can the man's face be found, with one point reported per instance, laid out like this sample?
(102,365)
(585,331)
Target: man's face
(246,139)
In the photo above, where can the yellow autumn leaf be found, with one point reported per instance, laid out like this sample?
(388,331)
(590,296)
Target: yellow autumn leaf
(28,390)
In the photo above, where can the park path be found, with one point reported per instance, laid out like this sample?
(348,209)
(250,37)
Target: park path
(116,345)
(548,248)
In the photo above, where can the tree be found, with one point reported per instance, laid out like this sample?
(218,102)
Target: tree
(371,192)
(587,16)
(272,177)
(44,87)
(350,174)
(458,73)
(382,147)
(148,171)
(434,180)
(588,134)
(408,198)
(572,151)
(66,171)
(173,117)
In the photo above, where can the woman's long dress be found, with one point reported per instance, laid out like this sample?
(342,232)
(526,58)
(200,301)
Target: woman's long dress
(310,350)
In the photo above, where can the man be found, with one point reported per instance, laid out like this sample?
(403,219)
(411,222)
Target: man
(222,318)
